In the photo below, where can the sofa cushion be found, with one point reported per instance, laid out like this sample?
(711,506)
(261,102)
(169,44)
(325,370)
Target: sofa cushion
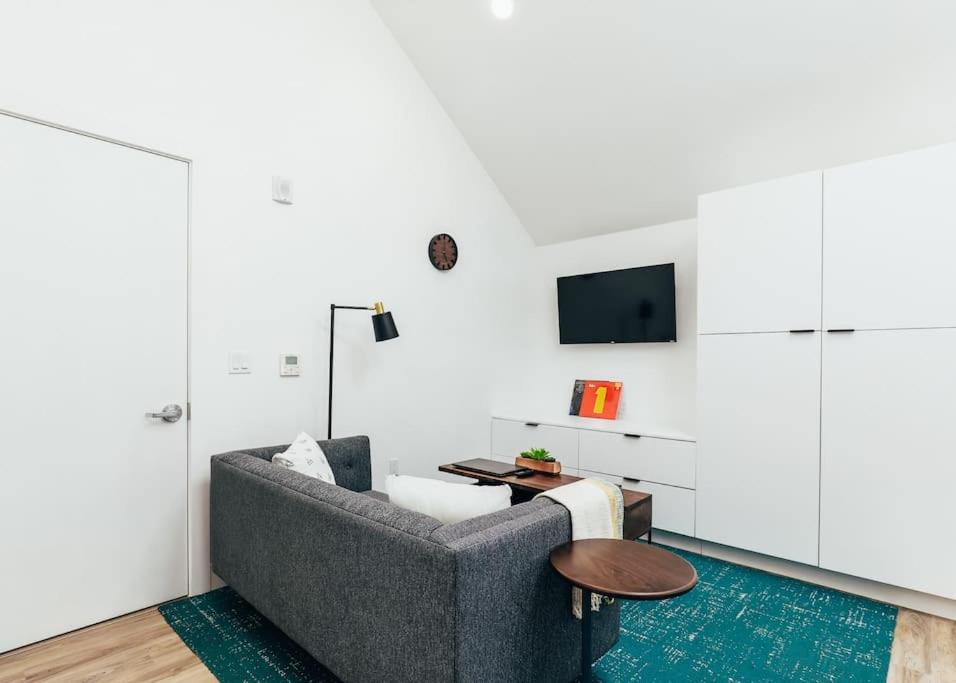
(304,455)
(445,500)
(450,533)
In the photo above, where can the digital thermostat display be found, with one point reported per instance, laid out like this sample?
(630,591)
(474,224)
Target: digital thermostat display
(289,365)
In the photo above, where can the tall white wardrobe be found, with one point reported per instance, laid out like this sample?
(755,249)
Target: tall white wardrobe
(827,369)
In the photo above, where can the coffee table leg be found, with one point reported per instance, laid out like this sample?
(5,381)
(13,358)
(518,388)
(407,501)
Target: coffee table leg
(585,635)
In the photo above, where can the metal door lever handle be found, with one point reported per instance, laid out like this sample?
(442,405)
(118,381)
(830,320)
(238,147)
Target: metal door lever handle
(171,413)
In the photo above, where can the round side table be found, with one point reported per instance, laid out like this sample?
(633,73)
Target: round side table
(619,569)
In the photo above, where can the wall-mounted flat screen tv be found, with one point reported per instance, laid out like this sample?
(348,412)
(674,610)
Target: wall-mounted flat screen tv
(618,306)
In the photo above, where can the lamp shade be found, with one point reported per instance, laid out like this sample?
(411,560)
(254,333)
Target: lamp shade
(384,326)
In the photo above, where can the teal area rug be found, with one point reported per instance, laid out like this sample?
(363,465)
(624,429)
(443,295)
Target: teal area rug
(741,624)
(738,624)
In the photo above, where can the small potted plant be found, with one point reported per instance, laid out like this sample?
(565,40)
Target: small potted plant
(539,460)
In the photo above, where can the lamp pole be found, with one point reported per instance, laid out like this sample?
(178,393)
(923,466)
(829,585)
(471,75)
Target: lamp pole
(383,326)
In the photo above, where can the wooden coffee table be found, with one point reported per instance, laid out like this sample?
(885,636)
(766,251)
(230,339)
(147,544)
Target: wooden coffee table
(637,504)
(619,569)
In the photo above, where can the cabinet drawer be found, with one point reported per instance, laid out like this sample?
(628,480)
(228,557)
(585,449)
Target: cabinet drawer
(509,438)
(610,478)
(672,507)
(662,461)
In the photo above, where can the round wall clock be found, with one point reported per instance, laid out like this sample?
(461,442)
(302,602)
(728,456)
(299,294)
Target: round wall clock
(443,251)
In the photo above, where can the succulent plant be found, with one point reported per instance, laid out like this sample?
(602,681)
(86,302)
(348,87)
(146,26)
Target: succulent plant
(540,454)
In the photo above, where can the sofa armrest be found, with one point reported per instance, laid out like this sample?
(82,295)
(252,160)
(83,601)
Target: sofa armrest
(514,611)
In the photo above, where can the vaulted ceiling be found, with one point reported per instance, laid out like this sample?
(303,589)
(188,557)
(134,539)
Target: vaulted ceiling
(600,115)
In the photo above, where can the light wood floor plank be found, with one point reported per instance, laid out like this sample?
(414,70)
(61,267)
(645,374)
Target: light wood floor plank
(138,648)
(924,649)
(142,648)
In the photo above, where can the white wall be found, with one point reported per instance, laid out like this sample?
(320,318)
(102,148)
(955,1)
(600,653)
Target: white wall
(659,379)
(317,90)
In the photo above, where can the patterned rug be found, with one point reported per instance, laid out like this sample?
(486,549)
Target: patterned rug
(738,624)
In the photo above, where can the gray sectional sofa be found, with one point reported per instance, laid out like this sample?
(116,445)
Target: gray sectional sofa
(379,593)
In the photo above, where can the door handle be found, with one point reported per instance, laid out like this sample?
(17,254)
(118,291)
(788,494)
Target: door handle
(171,413)
(531,424)
(802,331)
(841,329)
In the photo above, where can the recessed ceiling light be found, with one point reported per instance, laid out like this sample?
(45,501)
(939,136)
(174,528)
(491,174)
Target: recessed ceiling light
(503,9)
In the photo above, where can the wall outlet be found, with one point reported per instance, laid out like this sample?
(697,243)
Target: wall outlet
(281,189)
(393,466)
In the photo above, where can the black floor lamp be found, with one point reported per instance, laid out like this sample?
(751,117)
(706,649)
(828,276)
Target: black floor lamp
(382,324)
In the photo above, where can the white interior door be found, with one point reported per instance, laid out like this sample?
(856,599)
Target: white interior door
(888,469)
(759,256)
(758,442)
(889,238)
(93,293)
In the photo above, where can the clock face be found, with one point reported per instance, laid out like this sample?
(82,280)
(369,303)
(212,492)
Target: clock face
(443,252)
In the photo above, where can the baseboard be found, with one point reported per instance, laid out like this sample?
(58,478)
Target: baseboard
(893,595)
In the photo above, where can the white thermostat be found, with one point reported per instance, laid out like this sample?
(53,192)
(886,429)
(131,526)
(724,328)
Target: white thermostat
(290,365)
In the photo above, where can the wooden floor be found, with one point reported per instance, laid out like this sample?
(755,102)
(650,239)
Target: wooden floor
(141,647)
(924,649)
(134,648)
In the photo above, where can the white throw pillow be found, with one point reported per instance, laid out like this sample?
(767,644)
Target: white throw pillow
(306,457)
(445,501)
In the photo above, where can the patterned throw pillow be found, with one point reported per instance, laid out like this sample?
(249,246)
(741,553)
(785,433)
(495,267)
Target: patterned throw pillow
(306,457)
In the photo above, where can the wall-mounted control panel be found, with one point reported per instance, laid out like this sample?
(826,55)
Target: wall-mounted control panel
(290,365)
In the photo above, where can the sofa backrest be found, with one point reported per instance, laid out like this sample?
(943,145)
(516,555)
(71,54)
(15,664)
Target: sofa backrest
(323,494)
(350,459)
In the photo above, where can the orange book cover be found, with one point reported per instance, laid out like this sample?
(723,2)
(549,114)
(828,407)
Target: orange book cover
(596,398)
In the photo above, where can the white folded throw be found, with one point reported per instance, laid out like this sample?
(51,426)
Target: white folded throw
(597,511)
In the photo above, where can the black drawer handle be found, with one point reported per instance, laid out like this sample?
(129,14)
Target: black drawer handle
(632,436)
(532,424)
(802,331)
(841,329)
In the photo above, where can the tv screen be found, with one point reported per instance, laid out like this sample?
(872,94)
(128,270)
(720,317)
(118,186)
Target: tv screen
(618,306)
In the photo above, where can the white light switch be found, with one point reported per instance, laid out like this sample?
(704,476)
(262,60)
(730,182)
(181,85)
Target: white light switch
(239,363)
(281,189)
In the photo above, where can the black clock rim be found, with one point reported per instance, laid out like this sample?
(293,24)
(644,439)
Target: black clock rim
(431,259)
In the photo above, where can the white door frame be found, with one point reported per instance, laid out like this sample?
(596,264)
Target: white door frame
(189,211)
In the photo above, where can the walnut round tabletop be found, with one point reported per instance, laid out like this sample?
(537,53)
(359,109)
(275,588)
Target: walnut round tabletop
(624,569)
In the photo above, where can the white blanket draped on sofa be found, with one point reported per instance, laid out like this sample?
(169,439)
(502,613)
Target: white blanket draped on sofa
(597,511)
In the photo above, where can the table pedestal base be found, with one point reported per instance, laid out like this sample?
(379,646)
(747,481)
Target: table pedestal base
(585,635)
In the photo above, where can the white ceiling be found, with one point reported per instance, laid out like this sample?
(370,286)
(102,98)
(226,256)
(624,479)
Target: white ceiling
(601,115)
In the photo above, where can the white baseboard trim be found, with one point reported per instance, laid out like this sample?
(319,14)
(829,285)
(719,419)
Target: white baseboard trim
(893,595)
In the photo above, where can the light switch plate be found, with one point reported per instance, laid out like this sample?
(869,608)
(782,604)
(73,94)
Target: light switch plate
(239,363)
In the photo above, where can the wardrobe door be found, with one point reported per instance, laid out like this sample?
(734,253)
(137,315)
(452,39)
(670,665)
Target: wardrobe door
(889,241)
(759,258)
(888,465)
(758,447)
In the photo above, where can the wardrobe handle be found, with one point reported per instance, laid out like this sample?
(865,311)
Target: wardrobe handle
(532,424)
(841,329)
(632,436)
(802,331)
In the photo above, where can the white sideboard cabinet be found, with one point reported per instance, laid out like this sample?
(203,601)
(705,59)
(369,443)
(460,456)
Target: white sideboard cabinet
(643,458)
